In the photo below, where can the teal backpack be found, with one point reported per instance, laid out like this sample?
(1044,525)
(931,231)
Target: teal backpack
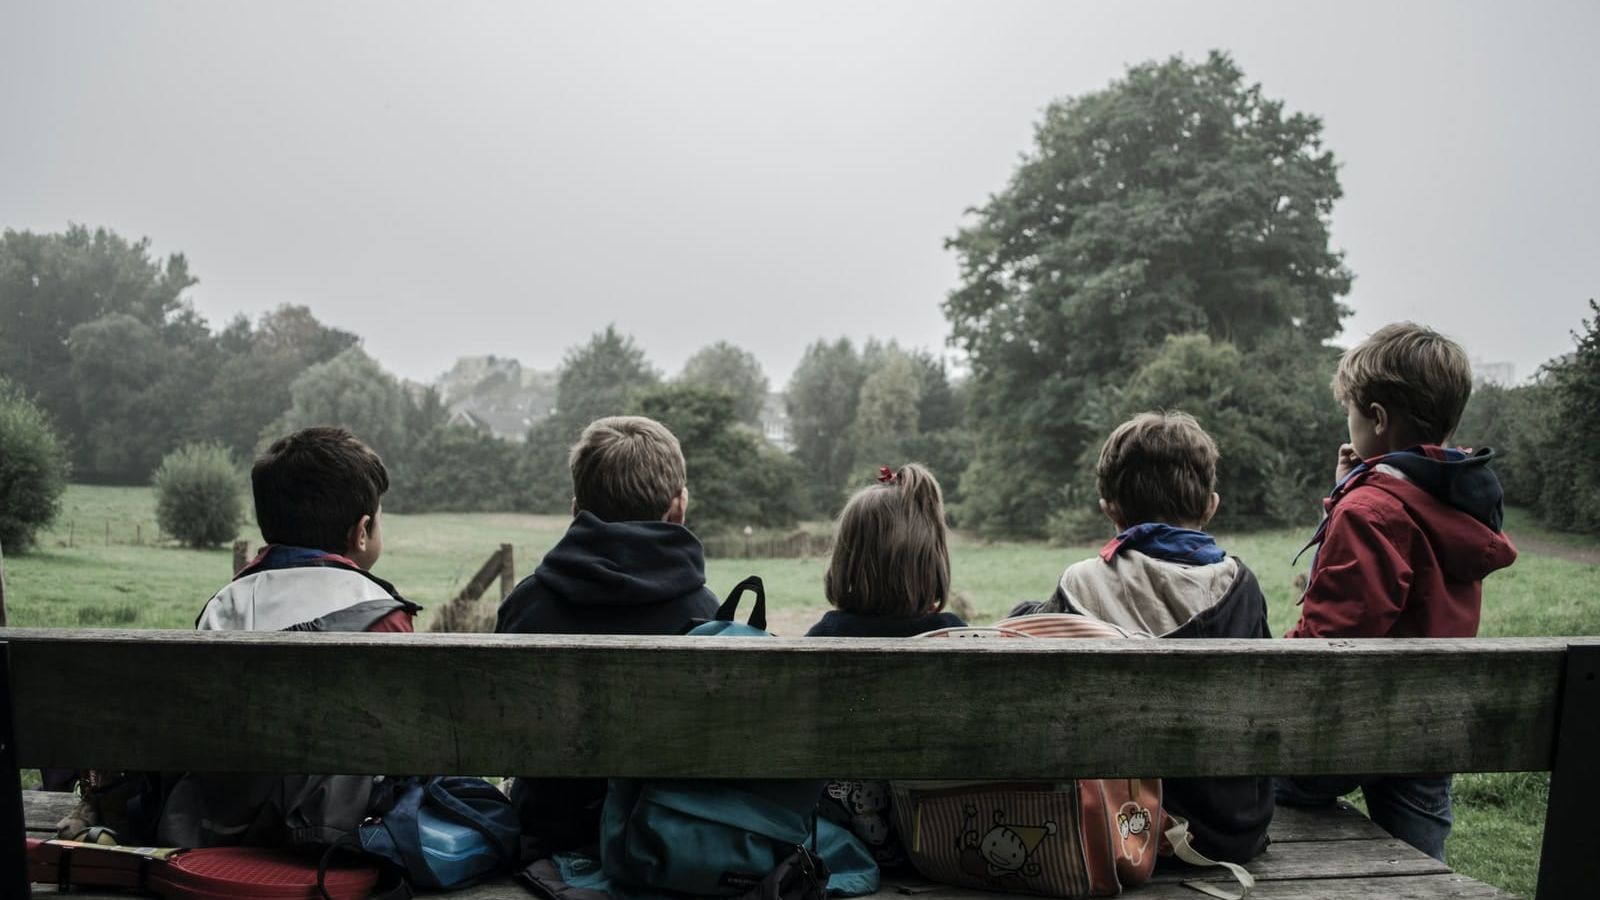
(720,838)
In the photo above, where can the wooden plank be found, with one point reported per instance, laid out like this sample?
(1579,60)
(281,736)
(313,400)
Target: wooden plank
(702,707)
(41,810)
(508,571)
(1323,859)
(1568,866)
(1412,887)
(13,823)
(1291,824)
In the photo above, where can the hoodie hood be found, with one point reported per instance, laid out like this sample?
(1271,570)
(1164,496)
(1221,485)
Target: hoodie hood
(599,563)
(1456,502)
(301,589)
(1153,597)
(1456,478)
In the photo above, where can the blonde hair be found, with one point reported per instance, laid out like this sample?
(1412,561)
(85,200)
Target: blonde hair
(890,548)
(1417,374)
(1158,467)
(626,469)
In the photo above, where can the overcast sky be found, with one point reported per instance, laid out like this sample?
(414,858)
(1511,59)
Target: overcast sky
(449,179)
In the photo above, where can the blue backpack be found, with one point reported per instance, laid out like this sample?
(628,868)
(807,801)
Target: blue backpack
(445,832)
(720,838)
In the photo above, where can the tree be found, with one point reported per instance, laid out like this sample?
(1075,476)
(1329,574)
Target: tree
(137,386)
(251,387)
(353,391)
(822,398)
(33,469)
(734,480)
(449,468)
(50,284)
(889,405)
(197,495)
(724,367)
(601,378)
(1270,413)
(1177,200)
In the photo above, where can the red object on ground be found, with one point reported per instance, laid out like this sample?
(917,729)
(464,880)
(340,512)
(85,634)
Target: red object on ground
(259,873)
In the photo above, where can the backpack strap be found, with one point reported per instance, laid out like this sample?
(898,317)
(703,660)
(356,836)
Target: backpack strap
(730,606)
(1182,843)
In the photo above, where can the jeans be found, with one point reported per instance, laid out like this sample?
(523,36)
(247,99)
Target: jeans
(1415,810)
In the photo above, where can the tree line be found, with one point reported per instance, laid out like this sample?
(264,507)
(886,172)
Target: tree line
(1162,243)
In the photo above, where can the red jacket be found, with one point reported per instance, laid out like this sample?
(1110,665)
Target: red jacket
(1405,547)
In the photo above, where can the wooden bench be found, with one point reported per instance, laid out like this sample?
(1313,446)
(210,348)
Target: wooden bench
(699,707)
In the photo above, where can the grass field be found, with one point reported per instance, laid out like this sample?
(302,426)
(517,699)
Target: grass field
(77,579)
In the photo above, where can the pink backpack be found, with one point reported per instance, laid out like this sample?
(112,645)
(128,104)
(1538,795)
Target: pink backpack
(1086,837)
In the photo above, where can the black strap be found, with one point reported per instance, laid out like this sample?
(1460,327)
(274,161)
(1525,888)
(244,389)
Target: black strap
(64,871)
(730,606)
(400,891)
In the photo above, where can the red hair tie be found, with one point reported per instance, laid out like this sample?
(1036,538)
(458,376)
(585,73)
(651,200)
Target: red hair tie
(887,477)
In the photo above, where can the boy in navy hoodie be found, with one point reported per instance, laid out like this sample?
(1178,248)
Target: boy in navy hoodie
(627,565)
(1411,529)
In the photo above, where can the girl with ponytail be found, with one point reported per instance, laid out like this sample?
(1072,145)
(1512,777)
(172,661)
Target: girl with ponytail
(890,571)
(889,577)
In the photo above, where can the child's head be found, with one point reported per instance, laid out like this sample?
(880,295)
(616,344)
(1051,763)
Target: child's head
(321,488)
(1158,467)
(629,469)
(1402,386)
(890,553)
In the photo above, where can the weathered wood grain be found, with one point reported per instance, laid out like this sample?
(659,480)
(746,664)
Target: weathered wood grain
(706,707)
(1415,887)
(41,810)
(1291,824)
(1323,859)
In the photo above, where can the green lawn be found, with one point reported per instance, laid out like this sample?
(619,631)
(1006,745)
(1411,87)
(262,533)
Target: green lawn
(76,579)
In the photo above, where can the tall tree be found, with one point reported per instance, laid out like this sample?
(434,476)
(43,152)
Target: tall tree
(601,378)
(353,391)
(726,368)
(1179,199)
(50,284)
(889,406)
(251,388)
(823,394)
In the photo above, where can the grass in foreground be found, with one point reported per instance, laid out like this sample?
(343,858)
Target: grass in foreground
(1500,818)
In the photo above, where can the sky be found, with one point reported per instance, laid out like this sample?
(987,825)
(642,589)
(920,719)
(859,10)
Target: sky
(452,179)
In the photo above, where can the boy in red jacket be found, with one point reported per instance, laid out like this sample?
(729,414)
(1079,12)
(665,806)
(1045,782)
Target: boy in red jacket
(1410,531)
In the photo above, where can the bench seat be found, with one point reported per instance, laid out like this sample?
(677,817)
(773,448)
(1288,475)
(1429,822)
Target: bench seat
(1315,855)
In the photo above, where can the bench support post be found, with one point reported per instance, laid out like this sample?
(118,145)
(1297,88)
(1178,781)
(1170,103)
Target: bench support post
(1568,864)
(13,828)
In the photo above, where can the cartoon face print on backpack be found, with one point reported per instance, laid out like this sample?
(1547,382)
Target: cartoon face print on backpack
(1004,853)
(1133,827)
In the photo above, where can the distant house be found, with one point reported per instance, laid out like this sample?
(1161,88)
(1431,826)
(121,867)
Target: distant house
(497,395)
(775,421)
(465,418)
(1502,374)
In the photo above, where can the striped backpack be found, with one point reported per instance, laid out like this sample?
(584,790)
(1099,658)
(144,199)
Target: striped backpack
(1075,838)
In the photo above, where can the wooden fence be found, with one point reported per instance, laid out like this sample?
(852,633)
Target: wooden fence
(794,545)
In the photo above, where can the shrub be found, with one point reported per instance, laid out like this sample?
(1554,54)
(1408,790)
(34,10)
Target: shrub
(33,470)
(197,495)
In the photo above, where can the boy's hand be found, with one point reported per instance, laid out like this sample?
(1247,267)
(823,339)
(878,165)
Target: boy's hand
(1348,459)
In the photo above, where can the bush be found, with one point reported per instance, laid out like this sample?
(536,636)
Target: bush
(197,495)
(33,470)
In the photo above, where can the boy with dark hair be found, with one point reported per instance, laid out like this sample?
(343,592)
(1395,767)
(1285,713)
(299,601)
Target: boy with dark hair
(1411,529)
(1163,576)
(318,497)
(627,565)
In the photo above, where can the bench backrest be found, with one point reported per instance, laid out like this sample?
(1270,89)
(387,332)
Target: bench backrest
(493,704)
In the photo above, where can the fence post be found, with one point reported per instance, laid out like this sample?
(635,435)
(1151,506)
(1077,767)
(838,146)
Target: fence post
(508,571)
(241,555)
(3,588)
(1568,865)
(13,827)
